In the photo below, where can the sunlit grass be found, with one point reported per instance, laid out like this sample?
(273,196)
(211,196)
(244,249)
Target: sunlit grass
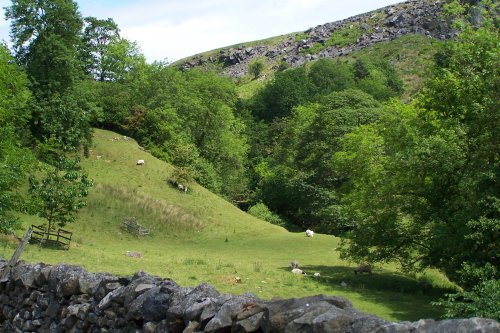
(197,237)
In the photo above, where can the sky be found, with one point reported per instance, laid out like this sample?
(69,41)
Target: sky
(174,29)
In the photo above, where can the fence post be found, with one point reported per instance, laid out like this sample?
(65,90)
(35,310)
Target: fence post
(15,257)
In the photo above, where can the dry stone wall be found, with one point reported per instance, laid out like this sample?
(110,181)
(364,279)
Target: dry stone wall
(64,298)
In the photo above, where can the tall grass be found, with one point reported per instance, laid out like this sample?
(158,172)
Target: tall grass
(161,215)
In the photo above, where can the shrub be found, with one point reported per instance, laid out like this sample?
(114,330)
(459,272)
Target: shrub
(256,68)
(261,211)
(482,301)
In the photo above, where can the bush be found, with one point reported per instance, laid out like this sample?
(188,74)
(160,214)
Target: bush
(261,211)
(482,301)
(256,68)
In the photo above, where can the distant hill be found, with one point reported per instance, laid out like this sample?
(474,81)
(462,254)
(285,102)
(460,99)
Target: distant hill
(417,18)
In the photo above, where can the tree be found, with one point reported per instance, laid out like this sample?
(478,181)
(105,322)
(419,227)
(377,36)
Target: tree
(15,160)
(60,192)
(300,182)
(328,76)
(122,60)
(255,68)
(399,170)
(288,89)
(423,186)
(98,35)
(46,38)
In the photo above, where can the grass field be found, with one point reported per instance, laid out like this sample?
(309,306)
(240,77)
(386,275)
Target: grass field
(198,237)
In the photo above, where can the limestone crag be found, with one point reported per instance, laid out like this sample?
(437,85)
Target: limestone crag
(64,298)
(411,17)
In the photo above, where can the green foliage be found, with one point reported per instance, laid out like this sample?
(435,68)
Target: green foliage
(121,61)
(256,67)
(422,183)
(300,182)
(261,211)
(14,159)
(46,37)
(289,88)
(328,76)
(346,36)
(59,192)
(378,79)
(481,301)
(67,119)
(98,35)
(339,38)
(14,165)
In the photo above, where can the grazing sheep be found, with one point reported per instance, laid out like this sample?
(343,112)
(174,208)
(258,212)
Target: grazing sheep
(317,274)
(294,264)
(298,271)
(182,188)
(309,233)
(343,284)
(140,162)
(363,269)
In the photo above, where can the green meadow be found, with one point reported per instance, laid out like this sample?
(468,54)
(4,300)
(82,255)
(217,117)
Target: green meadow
(199,237)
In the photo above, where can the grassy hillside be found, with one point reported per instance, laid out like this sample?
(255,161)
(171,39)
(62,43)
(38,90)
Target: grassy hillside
(198,237)
(411,56)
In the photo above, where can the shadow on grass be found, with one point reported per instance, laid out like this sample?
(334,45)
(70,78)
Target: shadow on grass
(408,298)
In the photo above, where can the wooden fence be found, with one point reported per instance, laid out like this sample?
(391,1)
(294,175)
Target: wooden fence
(131,225)
(61,238)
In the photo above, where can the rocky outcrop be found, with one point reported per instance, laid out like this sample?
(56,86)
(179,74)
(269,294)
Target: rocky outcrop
(410,17)
(64,298)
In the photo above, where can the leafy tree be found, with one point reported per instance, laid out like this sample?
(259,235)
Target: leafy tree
(301,182)
(59,192)
(287,90)
(67,119)
(122,61)
(328,76)
(378,79)
(481,301)
(423,186)
(398,170)
(14,159)
(46,37)
(98,35)
(255,68)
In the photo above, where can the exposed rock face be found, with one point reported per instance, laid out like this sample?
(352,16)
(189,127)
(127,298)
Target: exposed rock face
(64,298)
(411,17)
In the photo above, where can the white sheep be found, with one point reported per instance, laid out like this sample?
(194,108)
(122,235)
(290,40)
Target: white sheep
(140,162)
(182,188)
(309,233)
(297,271)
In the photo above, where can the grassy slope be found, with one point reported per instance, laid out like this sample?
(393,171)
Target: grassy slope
(199,237)
(411,56)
